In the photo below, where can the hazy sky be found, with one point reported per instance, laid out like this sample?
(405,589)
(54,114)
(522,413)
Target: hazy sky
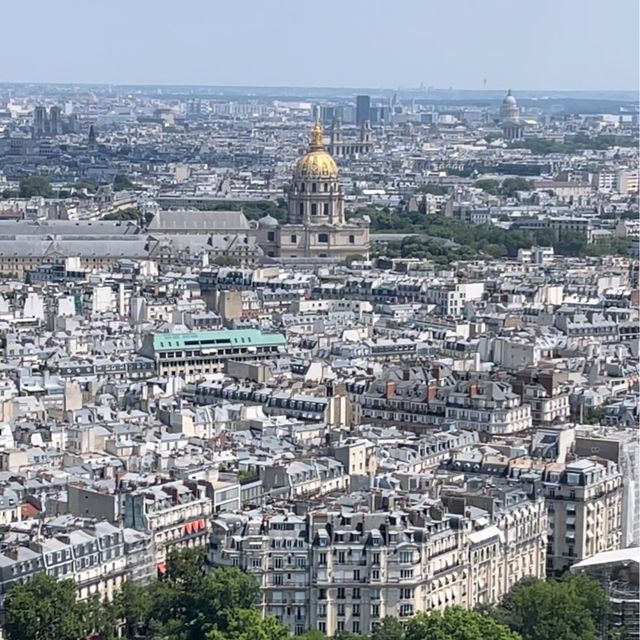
(545,44)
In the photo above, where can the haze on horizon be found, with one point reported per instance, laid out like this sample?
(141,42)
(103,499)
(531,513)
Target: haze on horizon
(550,45)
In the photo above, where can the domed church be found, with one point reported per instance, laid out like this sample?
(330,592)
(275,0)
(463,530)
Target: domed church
(316,226)
(510,118)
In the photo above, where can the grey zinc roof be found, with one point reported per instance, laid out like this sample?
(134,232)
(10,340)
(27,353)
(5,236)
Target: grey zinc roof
(195,220)
(66,228)
(81,247)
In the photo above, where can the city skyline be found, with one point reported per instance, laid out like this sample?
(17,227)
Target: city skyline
(551,49)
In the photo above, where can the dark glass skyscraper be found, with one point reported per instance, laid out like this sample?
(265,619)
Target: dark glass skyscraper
(363,109)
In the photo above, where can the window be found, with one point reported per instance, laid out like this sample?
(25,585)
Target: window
(277,563)
(294,239)
(356,593)
(302,186)
(314,187)
(325,208)
(356,626)
(314,209)
(341,557)
(322,559)
(375,558)
(356,574)
(352,239)
(341,593)
(375,574)
(406,573)
(340,610)
(277,578)
(323,237)
(301,208)
(322,627)
(375,610)
(355,610)
(326,187)
(406,556)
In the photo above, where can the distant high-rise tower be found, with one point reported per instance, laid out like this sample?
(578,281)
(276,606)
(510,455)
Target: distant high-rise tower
(92,137)
(39,121)
(363,109)
(55,120)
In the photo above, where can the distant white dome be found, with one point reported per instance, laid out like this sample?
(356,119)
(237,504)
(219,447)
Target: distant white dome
(509,111)
(268,221)
(509,100)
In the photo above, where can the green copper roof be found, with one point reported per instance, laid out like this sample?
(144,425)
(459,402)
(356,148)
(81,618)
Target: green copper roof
(200,339)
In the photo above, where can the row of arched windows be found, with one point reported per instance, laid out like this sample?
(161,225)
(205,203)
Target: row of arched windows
(314,209)
(314,187)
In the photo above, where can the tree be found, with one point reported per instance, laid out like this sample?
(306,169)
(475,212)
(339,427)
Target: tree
(226,261)
(510,186)
(247,476)
(570,609)
(349,635)
(433,189)
(390,628)
(130,213)
(491,187)
(133,605)
(122,182)
(45,608)
(35,185)
(312,634)
(456,623)
(248,624)
(190,603)
(590,593)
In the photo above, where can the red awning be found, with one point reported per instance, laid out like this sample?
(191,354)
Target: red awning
(202,523)
(162,567)
(188,527)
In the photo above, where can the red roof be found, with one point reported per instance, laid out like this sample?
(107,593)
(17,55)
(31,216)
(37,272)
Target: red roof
(27,510)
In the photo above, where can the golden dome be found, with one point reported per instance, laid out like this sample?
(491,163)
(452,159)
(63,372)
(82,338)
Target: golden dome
(316,163)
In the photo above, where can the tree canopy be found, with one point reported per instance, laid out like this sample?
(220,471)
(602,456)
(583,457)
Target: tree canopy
(45,608)
(457,624)
(252,209)
(191,603)
(476,241)
(569,609)
(574,144)
(433,189)
(130,213)
(226,261)
(35,185)
(122,182)
(507,187)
